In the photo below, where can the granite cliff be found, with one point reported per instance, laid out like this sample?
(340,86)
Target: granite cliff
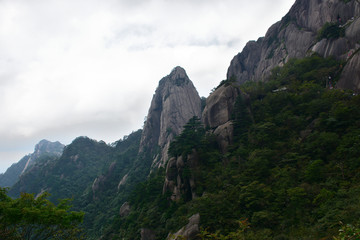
(298,34)
(329,28)
(175,101)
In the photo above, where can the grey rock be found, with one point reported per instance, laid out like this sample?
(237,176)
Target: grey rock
(224,135)
(124,209)
(295,36)
(352,32)
(351,72)
(219,106)
(175,182)
(101,180)
(175,101)
(123,181)
(190,231)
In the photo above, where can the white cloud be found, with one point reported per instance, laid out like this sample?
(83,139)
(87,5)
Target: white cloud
(90,67)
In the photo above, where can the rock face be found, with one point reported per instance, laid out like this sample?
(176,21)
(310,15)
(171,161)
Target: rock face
(219,106)
(42,149)
(296,36)
(175,101)
(177,181)
(217,113)
(190,231)
(124,209)
(102,180)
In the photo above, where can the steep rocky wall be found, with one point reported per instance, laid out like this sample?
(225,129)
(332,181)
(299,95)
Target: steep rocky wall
(178,182)
(296,36)
(217,113)
(174,103)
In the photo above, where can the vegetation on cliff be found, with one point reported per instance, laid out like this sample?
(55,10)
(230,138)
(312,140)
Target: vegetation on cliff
(292,171)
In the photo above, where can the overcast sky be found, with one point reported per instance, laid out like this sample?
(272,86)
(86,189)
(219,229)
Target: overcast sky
(73,68)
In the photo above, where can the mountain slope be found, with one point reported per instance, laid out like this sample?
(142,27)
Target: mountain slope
(290,173)
(44,149)
(276,147)
(100,177)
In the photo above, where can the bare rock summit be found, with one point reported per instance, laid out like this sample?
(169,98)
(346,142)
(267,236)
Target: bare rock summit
(175,101)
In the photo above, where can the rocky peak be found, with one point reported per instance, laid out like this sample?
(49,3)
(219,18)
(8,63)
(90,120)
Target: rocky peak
(42,149)
(175,101)
(297,35)
(177,76)
(45,146)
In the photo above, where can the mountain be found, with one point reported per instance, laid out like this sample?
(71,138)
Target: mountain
(175,101)
(328,28)
(289,172)
(44,149)
(268,143)
(93,173)
(273,154)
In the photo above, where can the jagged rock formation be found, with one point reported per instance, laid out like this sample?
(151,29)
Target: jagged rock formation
(176,180)
(174,103)
(217,113)
(43,149)
(297,35)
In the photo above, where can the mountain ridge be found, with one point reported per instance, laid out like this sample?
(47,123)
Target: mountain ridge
(297,36)
(167,173)
(42,149)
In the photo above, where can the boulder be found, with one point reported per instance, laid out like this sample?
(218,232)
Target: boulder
(190,231)
(219,106)
(124,209)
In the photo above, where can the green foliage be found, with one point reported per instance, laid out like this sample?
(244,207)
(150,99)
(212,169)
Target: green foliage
(226,82)
(37,218)
(348,232)
(239,234)
(331,31)
(73,175)
(189,139)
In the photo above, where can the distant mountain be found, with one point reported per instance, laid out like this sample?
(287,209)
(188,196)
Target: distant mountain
(44,149)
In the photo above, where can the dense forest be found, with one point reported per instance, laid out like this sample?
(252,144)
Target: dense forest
(292,171)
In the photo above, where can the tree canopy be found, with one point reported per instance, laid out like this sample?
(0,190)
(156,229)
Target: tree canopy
(30,218)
